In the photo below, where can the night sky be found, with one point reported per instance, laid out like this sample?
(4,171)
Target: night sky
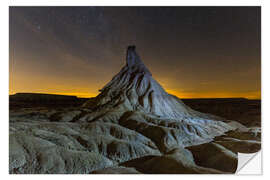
(192,52)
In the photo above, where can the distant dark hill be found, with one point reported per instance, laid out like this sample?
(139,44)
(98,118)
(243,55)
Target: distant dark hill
(245,111)
(215,99)
(25,100)
(40,96)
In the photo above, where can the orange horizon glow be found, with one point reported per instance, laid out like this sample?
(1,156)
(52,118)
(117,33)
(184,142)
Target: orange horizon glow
(255,95)
(87,88)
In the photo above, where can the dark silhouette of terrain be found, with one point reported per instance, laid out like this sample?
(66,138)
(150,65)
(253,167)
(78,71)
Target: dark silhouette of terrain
(245,111)
(29,100)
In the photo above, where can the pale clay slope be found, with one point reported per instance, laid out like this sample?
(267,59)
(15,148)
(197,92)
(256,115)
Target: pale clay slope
(134,89)
(132,126)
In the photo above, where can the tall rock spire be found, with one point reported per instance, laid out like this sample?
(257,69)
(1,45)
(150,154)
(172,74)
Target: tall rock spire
(134,90)
(132,57)
(134,62)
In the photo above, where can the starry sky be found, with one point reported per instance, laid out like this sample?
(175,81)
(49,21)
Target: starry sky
(193,52)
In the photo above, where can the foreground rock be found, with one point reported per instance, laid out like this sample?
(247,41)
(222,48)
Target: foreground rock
(213,155)
(36,147)
(117,170)
(177,161)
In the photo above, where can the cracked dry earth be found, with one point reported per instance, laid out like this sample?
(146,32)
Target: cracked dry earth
(133,126)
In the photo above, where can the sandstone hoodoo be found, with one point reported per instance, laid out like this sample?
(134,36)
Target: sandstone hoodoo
(132,126)
(135,94)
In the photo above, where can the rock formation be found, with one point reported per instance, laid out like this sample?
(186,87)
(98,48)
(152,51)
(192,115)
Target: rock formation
(132,126)
(135,93)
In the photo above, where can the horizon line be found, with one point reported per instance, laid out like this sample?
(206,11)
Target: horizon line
(172,94)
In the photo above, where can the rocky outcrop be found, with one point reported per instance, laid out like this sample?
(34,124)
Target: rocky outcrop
(148,108)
